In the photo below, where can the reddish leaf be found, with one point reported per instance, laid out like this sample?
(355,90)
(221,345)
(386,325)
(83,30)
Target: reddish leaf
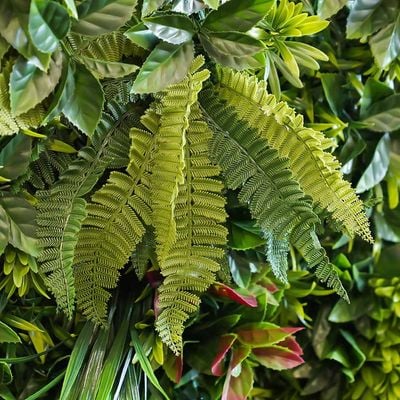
(156,304)
(238,388)
(263,334)
(277,357)
(173,367)
(155,278)
(224,345)
(222,290)
(291,343)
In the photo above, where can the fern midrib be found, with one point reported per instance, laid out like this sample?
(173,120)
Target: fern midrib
(311,152)
(244,150)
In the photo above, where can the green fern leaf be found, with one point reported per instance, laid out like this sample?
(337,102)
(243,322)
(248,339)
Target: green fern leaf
(267,186)
(169,159)
(62,209)
(191,264)
(277,253)
(316,170)
(113,227)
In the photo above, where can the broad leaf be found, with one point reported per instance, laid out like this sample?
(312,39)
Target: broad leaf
(277,357)
(374,91)
(235,44)
(17,224)
(327,8)
(166,64)
(7,335)
(224,291)
(251,61)
(143,37)
(71,7)
(225,343)
(15,157)
(237,15)
(14,28)
(384,115)
(172,28)
(332,85)
(378,166)
(101,16)
(150,6)
(212,3)
(346,312)
(6,376)
(107,69)
(29,85)
(82,99)
(187,6)
(48,23)
(385,45)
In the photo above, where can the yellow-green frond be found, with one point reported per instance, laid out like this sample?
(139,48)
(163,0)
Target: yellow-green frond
(316,170)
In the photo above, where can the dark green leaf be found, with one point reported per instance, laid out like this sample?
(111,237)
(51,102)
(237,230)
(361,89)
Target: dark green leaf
(172,28)
(14,17)
(47,387)
(332,85)
(82,99)
(166,64)
(353,146)
(378,166)
(384,115)
(107,69)
(251,61)
(4,46)
(327,8)
(346,312)
(101,16)
(244,236)
(20,222)
(48,23)
(374,91)
(15,157)
(237,15)
(142,36)
(385,45)
(29,85)
(7,335)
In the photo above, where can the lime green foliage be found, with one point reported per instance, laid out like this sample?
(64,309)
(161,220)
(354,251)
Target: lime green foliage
(316,170)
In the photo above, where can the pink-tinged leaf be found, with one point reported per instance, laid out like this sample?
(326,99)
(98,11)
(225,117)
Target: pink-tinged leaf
(238,388)
(173,367)
(291,343)
(156,304)
(155,278)
(222,290)
(263,334)
(277,358)
(271,287)
(224,345)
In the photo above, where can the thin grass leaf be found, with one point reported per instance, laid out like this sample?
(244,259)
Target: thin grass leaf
(47,387)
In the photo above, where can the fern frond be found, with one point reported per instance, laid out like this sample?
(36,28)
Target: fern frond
(169,160)
(189,267)
(10,124)
(266,184)
(112,229)
(317,171)
(144,255)
(61,210)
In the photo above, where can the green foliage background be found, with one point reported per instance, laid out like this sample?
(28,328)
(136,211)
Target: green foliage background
(172,168)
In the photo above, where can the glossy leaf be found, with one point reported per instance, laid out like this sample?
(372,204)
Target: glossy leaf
(332,84)
(236,62)
(187,6)
(166,64)
(378,166)
(224,345)
(29,85)
(82,99)
(14,28)
(15,157)
(385,45)
(239,387)
(17,224)
(48,24)
(7,335)
(71,7)
(237,15)
(108,69)
(327,8)
(101,16)
(244,236)
(172,28)
(143,37)
(346,312)
(222,290)
(384,115)
(150,6)
(373,91)
(277,357)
